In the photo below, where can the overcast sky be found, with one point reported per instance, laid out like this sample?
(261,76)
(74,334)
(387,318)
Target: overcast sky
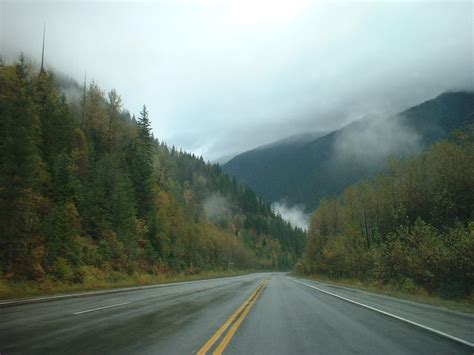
(221,77)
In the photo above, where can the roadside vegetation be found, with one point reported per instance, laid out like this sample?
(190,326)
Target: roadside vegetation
(409,230)
(90,198)
(99,280)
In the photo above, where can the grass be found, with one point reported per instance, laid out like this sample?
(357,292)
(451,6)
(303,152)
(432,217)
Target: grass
(11,290)
(416,295)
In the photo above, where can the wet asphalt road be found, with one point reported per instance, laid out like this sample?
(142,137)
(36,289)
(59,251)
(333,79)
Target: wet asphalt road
(285,317)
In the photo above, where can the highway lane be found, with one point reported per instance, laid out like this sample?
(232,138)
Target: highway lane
(169,320)
(267,313)
(292,318)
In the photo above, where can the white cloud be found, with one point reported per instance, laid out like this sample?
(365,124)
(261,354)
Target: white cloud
(293,214)
(374,139)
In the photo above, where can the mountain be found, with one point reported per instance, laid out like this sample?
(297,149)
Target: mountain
(302,172)
(88,194)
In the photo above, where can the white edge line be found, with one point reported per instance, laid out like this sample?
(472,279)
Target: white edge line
(91,293)
(113,290)
(97,309)
(459,340)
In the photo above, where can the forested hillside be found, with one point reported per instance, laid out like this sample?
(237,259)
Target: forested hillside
(302,172)
(87,191)
(412,226)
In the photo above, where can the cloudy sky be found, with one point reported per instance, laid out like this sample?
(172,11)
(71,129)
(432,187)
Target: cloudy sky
(221,77)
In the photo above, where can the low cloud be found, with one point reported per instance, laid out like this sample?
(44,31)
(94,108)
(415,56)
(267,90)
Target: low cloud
(213,73)
(293,214)
(73,93)
(374,139)
(217,208)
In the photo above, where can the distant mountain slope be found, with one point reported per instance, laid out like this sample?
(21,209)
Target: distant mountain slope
(302,171)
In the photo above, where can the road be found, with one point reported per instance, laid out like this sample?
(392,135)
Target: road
(266,313)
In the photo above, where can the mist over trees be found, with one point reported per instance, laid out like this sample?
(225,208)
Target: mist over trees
(88,192)
(302,171)
(411,226)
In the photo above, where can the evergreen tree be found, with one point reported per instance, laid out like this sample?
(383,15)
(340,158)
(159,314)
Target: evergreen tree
(141,163)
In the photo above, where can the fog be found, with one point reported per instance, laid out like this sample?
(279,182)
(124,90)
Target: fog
(294,214)
(372,140)
(221,77)
(217,208)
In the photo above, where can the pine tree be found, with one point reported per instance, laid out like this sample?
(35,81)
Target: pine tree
(144,129)
(141,164)
(114,109)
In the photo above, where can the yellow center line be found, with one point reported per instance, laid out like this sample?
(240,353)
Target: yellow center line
(231,319)
(237,324)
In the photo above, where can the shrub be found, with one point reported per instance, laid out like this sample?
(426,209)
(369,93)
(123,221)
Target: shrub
(62,270)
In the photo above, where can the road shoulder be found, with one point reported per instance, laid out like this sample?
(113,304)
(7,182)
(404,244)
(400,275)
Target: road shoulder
(454,323)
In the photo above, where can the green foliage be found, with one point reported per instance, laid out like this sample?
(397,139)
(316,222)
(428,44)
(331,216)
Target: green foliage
(87,193)
(62,270)
(22,172)
(410,227)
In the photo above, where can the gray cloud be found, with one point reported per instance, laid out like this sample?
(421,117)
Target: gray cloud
(222,77)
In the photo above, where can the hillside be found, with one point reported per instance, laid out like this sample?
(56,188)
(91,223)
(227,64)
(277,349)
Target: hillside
(87,192)
(302,172)
(408,228)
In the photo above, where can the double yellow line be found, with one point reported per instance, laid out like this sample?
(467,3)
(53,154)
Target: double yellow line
(236,320)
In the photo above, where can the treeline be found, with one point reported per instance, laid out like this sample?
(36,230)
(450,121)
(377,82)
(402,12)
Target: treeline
(87,190)
(411,227)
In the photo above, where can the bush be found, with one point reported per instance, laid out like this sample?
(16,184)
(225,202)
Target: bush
(62,270)
(441,263)
(409,286)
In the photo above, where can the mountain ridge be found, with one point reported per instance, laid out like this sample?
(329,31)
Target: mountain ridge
(304,172)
